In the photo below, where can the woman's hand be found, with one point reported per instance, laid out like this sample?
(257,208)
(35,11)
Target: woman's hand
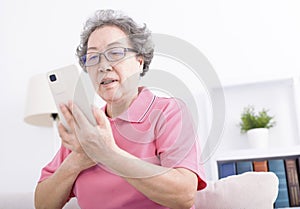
(70,141)
(96,141)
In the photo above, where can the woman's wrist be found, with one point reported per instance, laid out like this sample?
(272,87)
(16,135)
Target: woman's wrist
(77,162)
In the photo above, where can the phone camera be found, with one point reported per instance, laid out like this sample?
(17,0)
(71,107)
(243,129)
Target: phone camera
(52,77)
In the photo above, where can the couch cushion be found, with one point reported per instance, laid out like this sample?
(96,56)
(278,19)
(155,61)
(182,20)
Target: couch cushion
(251,190)
(25,200)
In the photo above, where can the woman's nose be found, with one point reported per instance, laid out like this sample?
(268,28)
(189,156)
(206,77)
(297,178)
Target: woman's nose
(105,66)
(103,69)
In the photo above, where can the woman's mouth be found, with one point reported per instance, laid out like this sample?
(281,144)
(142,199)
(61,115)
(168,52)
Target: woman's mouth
(108,81)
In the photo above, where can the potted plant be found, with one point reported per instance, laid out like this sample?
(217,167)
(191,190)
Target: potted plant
(256,126)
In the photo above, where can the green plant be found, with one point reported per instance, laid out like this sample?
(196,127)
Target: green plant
(250,120)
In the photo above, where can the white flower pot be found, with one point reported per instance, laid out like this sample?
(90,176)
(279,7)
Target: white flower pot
(258,137)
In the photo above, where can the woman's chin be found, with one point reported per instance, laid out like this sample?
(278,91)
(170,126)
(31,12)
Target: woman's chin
(118,94)
(110,96)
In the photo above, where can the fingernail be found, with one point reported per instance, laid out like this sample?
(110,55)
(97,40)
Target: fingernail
(70,104)
(61,106)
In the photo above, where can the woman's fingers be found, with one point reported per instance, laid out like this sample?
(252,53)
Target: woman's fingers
(69,137)
(78,116)
(65,136)
(100,116)
(66,111)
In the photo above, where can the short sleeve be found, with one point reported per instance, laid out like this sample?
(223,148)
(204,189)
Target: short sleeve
(177,142)
(51,167)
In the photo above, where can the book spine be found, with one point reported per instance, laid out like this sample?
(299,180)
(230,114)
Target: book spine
(298,167)
(277,166)
(226,169)
(243,166)
(293,182)
(260,166)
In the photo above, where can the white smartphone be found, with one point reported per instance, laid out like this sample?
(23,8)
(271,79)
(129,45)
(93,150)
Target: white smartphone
(67,83)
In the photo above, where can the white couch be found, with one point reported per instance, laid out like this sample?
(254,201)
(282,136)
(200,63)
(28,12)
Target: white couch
(252,190)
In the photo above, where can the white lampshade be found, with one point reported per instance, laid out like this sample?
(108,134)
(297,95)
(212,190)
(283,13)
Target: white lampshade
(39,102)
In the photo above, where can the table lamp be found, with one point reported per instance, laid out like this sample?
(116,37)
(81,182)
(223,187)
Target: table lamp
(40,109)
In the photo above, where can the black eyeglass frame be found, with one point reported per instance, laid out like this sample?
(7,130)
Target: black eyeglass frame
(83,58)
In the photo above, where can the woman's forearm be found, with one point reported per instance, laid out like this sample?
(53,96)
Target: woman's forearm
(173,188)
(54,192)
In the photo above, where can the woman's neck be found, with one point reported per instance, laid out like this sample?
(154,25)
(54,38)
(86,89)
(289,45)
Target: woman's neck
(116,108)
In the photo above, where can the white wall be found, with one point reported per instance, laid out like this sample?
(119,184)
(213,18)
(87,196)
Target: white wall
(242,40)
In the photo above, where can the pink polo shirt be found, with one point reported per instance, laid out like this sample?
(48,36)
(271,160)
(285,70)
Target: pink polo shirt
(155,129)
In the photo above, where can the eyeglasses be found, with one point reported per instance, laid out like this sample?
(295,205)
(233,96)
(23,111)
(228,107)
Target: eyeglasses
(112,55)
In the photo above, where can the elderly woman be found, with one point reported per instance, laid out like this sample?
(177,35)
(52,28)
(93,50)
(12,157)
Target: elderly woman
(143,152)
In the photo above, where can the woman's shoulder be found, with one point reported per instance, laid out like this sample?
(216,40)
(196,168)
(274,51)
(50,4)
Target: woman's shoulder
(162,101)
(170,102)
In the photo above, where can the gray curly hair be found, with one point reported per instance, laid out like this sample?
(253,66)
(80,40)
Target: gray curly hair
(139,36)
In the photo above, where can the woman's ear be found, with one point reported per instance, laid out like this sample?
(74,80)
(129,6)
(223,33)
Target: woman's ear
(141,62)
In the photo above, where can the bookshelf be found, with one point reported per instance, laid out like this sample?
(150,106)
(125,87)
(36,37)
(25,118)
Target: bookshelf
(252,154)
(276,160)
(282,97)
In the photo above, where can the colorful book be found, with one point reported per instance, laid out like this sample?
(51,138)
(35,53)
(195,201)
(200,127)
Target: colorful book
(226,169)
(260,166)
(243,166)
(298,167)
(277,166)
(293,182)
